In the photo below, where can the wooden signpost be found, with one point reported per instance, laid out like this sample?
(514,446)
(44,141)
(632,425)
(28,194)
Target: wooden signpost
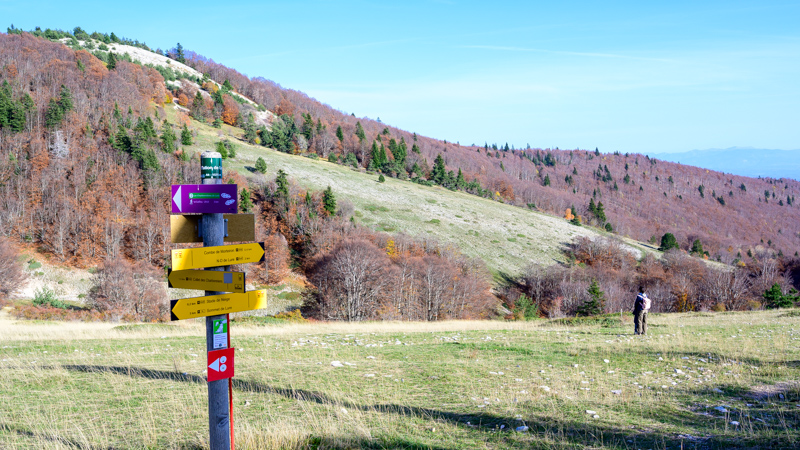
(224,290)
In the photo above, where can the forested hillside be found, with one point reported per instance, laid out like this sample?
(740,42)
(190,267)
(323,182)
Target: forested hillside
(87,155)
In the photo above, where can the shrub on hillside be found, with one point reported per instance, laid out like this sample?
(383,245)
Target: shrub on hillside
(47,297)
(129,291)
(775,298)
(11,274)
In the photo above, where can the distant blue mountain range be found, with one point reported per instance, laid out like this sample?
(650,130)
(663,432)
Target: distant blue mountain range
(746,161)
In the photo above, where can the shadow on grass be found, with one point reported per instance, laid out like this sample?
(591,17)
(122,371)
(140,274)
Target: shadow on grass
(318,442)
(713,357)
(4,428)
(553,432)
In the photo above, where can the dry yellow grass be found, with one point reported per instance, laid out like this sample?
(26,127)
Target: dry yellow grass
(410,385)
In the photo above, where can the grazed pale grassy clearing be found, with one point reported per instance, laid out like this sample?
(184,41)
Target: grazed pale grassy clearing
(507,238)
(698,381)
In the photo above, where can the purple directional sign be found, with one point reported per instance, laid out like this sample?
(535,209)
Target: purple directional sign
(204,198)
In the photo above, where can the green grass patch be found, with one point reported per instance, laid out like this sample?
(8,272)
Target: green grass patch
(605,320)
(511,239)
(374,208)
(435,221)
(289,295)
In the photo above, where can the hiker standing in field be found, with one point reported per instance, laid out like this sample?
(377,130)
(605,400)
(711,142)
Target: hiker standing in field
(640,308)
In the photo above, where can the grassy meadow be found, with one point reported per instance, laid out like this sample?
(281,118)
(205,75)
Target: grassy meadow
(506,237)
(724,380)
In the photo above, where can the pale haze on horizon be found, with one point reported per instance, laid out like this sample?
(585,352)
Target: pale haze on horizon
(624,76)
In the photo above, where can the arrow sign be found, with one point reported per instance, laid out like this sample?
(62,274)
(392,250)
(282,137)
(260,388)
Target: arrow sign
(222,255)
(214,305)
(220,364)
(207,280)
(185,228)
(204,198)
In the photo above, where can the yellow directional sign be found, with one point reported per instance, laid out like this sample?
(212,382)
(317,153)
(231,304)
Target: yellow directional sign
(214,305)
(223,255)
(207,280)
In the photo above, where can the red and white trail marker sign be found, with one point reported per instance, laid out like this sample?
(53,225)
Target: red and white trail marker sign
(220,364)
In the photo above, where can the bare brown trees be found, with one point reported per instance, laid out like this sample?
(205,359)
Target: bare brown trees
(11,275)
(127,290)
(358,280)
(351,281)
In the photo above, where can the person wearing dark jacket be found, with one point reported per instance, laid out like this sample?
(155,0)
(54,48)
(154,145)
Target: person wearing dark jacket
(640,307)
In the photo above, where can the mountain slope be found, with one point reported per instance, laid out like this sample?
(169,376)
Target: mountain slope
(643,197)
(506,237)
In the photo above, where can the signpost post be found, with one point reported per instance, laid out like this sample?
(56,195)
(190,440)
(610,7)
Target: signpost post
(224,290)
(213,232)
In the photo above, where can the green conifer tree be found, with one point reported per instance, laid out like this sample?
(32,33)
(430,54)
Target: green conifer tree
(167,137)
(222,150)
(179,56)
(438,174)
(329,201)
(282,181)
(360,133)
(595,304)
(261,165)
(775,298)
(460,182)
(697,247)
(668,241)
(186,135)
(111,61)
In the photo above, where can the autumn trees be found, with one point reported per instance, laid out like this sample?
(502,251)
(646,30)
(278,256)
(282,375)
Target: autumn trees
(676,282)
(357,280)
(11,275)
(83,170)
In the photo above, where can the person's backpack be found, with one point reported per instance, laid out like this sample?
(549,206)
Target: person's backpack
(646,302)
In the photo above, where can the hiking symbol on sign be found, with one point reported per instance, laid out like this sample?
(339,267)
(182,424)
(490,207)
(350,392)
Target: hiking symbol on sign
(220,333)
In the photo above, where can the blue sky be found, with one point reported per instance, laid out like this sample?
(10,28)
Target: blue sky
(626,76)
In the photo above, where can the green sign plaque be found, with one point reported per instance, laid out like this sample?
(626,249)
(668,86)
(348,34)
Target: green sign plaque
(211,168)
